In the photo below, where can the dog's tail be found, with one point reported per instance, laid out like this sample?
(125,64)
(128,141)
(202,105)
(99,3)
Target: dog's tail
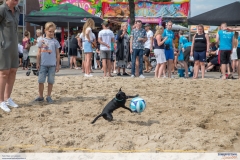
(96,118)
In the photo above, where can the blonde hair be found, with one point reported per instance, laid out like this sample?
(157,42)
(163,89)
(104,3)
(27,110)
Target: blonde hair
(123,24)
(50,25)
(159,30)
(78,35)
(89,23)
(38,31)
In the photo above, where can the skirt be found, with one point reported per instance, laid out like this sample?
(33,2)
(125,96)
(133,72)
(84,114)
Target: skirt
(87,47)
(234,54)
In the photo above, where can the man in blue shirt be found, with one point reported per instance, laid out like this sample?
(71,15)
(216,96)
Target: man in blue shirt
(226,43)
(169,47)
(138,38)
(181,42)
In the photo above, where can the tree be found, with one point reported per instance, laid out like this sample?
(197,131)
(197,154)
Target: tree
(132,11)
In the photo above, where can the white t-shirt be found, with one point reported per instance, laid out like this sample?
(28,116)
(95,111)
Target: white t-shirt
(39,38)
(20,48)
(148,42)
(91,35)
(106,35)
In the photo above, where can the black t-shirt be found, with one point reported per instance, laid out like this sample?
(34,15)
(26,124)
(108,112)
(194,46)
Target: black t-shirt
(73,42)
(200,43)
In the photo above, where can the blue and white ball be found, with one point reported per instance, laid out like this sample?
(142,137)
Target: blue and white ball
(137,105)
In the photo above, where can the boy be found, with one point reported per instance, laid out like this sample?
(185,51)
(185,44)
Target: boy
(48,53)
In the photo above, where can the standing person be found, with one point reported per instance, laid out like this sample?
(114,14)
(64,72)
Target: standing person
(181,42)
(148,45)
(234,57)
(123,49)
(200,49)
(87,45)
(105,38)
(9,18)
(169,47)
(138,38)
(226,39)
(48,60)
(73,51)
(39,36)
(26,47)
(159,51)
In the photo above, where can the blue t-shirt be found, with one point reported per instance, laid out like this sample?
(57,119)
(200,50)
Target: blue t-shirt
(238,41)
(225,39)
(188,44)
(48,51)
(170,35)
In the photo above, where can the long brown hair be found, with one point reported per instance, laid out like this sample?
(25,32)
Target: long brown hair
(201,25)
(89,23)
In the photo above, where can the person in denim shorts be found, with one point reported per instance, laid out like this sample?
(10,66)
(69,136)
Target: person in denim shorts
(48,53)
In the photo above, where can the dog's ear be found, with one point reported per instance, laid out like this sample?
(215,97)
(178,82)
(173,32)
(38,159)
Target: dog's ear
(120,89)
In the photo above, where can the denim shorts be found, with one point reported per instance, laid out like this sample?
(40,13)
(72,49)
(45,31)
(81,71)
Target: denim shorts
(87,47)
(47,71)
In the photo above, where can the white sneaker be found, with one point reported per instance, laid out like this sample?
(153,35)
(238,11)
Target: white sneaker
(10,103)
(141,76)
(85,75)
(114,71)
(4,107)
(164,77)
(132,76)
(172,76)
(90,75)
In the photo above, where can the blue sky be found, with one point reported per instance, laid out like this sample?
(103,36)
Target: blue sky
(201,6)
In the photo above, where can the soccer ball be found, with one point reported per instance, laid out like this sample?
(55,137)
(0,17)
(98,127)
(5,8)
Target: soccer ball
(137,105)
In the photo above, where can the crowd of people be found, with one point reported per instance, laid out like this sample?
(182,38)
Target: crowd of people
(114,52)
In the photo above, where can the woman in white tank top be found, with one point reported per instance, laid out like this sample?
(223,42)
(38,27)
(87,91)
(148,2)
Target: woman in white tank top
(234,53)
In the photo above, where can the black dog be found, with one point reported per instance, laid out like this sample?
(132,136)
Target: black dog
(115,103)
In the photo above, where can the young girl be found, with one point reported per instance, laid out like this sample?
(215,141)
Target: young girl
(48,53)
(26,47)
(159,51)
(234,57)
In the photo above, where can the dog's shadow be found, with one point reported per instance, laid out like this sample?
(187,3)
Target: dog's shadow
(142,123)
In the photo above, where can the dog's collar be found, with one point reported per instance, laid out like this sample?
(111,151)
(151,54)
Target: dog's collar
(118,99)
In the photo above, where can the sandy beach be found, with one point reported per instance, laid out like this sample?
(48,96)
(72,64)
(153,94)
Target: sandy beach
(181,114)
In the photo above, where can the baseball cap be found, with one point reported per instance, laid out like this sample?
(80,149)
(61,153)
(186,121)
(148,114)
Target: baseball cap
(146,25)
(105,23)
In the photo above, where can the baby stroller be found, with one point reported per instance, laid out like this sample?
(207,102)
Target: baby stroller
(153,61)
(33,60)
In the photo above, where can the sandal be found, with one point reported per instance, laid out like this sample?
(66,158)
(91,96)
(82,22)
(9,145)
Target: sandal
(125,74)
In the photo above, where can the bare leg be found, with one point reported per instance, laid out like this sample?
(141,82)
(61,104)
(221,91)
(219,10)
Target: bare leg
(109,66)
(50,86)
(71,61)
(202,68)
(162,66)
(233,65)
(196,69)
(146,64)
(10,82)
(223,69)
(170,64)
(228,69)
(104,63)
(41,88)
(75,61)
(157,71)
(4,74)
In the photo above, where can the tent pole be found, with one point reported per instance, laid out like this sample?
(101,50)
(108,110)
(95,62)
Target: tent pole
(68,47)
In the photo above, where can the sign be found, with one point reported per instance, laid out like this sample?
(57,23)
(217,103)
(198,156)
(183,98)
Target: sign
(194,29)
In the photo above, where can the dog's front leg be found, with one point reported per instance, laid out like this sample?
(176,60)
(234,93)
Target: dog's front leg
(127,108)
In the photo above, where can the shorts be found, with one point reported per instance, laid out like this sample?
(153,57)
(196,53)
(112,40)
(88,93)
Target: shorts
(186,54)
(160,56)
(97,57)
(47,71)
(181,56)
(73,52)
(225,56)
(147,52)
(20,55)
(214,61)
(200,56)
(87,47)
(238,53)
(105,54)
(169,54)
(234,54)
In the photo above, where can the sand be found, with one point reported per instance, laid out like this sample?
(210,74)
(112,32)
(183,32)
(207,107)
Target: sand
(181,114)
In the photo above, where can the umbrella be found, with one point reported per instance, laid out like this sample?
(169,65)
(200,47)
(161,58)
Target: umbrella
(228,13)
(179,27)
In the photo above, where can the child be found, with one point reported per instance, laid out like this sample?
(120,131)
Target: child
(48,53)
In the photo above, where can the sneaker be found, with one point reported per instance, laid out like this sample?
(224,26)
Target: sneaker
(114,71)
(119,74)
(10,103)
(132,76)
(172,76)
(141,76)
(4,107)
(90,75)
(85,75)
(125,74)
(39,99)
(49,99)
(164,77)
